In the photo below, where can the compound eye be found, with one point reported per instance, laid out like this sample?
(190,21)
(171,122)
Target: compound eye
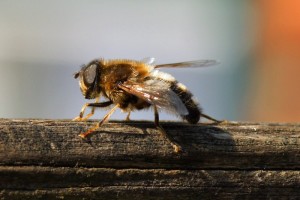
(90,74)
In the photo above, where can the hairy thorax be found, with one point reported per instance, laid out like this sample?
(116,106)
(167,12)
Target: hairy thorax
(117,72)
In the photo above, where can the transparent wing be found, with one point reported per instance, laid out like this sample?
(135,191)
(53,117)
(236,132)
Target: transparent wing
(156,92)
(196,63)
(148,60)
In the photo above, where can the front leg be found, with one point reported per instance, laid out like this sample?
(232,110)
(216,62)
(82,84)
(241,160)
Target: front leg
(80,117)
(106,117)
(93,105)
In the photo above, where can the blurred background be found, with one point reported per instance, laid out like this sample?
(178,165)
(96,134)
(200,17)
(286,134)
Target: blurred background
(42,43)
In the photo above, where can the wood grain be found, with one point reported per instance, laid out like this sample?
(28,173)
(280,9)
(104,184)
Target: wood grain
(140,145)
(130,160)
(107,183)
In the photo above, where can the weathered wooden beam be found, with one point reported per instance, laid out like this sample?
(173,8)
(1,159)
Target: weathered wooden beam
(130,160)
(106,183)
(140,145)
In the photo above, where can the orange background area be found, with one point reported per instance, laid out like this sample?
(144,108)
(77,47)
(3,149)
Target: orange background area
(277,74)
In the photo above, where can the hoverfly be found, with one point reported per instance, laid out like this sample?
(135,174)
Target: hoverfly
(134,85)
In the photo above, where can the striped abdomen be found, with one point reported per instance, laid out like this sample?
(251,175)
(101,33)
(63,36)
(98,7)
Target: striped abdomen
(194,111)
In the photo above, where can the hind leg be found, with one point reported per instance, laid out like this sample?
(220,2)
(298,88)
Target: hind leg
(213,119)
(176,146)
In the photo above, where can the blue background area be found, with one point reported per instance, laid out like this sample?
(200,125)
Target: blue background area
(44,42)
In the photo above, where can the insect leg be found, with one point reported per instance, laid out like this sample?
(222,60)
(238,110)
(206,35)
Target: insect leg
(106,117)
(211,118)
(128,116)
(80,117)
(101,105)
(94,105)
(176,146)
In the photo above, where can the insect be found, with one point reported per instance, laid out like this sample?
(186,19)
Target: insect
(134,85)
